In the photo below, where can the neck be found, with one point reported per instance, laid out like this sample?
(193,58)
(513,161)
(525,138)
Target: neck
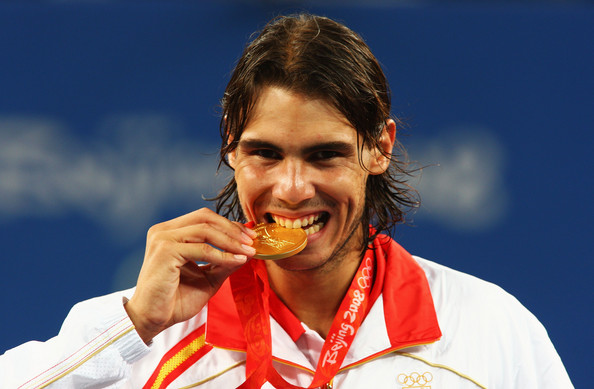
(314,296)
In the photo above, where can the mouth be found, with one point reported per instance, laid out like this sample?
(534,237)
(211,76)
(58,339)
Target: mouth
(310,224)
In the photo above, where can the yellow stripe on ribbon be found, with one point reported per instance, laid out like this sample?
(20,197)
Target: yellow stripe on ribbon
(175,361)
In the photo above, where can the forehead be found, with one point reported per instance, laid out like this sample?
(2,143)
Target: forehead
(286,117)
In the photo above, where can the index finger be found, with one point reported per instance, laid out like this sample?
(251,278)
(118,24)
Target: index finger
(212,219)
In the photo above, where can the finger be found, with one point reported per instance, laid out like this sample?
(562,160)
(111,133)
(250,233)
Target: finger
(241,244)
(207,217)
(193,273)
(248,229)
(202,252)
(202,215)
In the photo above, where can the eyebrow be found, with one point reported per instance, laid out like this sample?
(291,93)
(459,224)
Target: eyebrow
(339,146)
(257,144)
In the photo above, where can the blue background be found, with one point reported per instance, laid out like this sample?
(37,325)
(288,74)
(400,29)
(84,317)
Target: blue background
(108,124)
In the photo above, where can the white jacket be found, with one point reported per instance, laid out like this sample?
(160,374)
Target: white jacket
(429,327)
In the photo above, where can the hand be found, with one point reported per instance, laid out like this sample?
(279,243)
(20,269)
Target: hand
(171,287)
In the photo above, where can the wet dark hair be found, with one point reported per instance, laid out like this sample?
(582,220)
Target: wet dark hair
(319,58)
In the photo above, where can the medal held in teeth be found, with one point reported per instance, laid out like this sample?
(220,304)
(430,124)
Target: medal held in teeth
(276,242)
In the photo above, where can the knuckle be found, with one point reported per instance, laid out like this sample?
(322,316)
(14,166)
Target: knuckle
(208,249)
(154,229)
(211,253)
(204,212)
(155,234)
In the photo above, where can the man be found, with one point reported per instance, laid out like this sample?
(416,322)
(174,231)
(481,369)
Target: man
(307,130)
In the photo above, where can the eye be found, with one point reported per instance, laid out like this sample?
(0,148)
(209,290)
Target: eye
(266,153)
(324,155)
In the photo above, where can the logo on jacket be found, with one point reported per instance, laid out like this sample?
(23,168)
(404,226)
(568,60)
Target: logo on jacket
(415,380)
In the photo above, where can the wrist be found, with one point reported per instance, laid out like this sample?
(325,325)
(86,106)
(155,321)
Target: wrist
(145,330)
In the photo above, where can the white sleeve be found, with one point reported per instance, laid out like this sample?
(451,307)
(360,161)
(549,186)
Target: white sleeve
(538,363)
(95,348)
(489,333)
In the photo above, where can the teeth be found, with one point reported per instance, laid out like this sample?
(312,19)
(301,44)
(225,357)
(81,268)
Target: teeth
(300,223)
(314,229)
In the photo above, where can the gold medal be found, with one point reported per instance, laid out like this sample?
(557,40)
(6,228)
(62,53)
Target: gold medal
(276,242)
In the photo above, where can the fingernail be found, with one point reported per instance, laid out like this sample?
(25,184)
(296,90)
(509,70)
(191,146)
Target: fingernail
(250,249)
(240,257)
(251,233)
(246,239)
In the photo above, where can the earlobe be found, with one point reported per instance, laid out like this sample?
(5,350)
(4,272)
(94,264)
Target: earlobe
(231,158)
(231,154)
(381,158)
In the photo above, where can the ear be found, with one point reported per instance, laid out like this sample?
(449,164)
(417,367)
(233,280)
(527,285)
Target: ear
(380,160)
(231,159)
(231,155)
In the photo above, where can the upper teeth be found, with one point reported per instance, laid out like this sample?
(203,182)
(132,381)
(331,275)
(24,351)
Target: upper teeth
(296,223)
(300,223)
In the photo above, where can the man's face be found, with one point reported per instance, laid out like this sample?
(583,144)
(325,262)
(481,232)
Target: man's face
(297,164)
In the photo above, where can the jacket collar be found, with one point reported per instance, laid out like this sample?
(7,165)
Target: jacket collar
(408,312)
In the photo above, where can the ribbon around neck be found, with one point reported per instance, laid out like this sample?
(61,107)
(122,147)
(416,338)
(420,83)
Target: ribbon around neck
(251,290)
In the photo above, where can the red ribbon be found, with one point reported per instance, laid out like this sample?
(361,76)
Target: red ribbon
(250,290)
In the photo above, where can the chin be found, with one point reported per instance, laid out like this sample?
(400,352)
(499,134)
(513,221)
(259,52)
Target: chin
(314,262)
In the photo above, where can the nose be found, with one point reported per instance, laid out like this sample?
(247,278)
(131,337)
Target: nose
(292,183)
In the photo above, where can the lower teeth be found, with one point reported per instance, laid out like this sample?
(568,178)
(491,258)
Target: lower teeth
(315,228)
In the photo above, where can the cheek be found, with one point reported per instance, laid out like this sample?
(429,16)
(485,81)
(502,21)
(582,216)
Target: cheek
(251,183)
(348,189)
(247,175)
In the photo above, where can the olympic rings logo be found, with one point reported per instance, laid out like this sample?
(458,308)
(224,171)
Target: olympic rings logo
(366,274)
(415,379)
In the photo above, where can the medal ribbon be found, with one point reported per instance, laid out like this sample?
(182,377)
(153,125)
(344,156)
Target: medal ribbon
(250,290)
